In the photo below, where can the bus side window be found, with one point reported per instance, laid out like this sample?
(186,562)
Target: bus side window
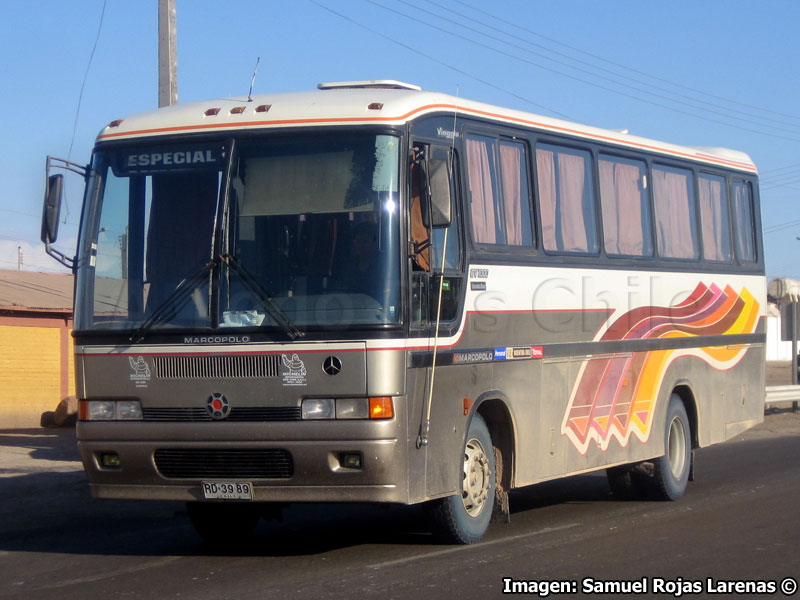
(499,191)
(715,228)
(676,228)
(420,236)
(566,200)
(744,225)
(436,251)
(625,207)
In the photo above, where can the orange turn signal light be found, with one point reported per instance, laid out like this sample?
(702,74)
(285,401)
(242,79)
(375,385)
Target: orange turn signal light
(380,407)
(83,410)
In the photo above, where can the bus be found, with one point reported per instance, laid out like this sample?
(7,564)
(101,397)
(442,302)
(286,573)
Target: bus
(373,293)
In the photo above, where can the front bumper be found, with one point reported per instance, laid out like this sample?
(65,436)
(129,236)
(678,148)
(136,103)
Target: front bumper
(316,475)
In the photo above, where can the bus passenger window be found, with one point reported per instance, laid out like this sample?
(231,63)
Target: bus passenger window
(499,191)
(627,222)
(743,220)
(714,221)
(566,200)
(676,230)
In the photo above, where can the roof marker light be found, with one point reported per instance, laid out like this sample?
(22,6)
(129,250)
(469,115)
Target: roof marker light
(237,110)
(212,112)
(116,123)
(263,107)
(375,106)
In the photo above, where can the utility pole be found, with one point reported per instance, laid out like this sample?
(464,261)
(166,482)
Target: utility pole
(19,258)
(167,55)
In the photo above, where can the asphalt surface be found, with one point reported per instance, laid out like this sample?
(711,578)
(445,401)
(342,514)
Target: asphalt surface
(740,521)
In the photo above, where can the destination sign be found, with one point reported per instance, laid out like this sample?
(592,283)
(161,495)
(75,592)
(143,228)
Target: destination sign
(158,160)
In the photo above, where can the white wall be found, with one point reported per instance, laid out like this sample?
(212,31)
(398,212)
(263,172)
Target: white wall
(776,349)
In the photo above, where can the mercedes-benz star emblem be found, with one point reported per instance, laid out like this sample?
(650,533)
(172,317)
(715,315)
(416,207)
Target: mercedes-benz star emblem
(218,406)
(332,365)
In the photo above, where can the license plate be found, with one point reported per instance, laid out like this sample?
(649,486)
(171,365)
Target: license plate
(227,490)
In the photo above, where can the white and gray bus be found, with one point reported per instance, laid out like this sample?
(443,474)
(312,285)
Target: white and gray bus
(373,293)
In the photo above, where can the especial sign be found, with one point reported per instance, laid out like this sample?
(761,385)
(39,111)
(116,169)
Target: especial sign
(164,159)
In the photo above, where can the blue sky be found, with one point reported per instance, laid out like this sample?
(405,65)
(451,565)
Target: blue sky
(710,73)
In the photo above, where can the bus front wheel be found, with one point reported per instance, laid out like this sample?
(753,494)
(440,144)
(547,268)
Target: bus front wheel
(464,518)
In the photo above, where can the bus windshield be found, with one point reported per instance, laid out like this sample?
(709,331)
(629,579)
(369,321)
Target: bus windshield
(279,233)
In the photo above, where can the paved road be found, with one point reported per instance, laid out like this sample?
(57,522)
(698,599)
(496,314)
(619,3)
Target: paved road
(738,521)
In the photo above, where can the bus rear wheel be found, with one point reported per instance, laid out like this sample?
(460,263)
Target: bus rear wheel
(671,471)
(464,518)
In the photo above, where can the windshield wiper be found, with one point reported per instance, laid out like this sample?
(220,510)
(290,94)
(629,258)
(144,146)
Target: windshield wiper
(174,301)
(264,297)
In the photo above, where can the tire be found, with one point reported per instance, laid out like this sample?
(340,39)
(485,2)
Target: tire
(671,471)
(223,524)
(464,518)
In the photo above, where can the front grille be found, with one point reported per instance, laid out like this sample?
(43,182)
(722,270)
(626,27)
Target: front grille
(224,463)
(249,366)
(239,413)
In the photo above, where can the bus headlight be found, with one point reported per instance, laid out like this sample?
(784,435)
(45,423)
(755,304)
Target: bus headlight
(100,410)
(110,410)
(318,408)
(352,408)
(128,410)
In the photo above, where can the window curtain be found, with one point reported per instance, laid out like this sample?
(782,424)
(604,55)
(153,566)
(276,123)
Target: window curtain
(621,199)
(562,180)
(743,209)
(572,180)
(674,218)
(419,233)
(714,218)
(511,178)
(482,195)
(545,167)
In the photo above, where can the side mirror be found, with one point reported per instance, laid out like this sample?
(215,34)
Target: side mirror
(439,185)
(52,208)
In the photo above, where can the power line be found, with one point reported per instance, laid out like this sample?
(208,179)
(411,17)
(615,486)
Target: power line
(778,169)
(438,61)
(782,178)
(24,214)
(80,95)
(781,226)
(692,101)
(85,77)
(627,68)
(579,79)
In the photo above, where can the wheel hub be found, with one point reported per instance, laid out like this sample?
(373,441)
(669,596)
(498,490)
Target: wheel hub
(676,447)
(476,478)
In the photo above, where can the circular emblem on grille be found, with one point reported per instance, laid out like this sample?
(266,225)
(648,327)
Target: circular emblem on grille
(218,406)
(332,365)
